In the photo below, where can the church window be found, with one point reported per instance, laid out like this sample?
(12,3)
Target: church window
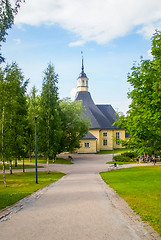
(117,138)
(86,145)
(104,134)
(82,82)
(104,142)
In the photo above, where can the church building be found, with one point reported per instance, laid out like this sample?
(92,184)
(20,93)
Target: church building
(102,134)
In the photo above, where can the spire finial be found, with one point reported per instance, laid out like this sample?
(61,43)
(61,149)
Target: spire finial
(82,62)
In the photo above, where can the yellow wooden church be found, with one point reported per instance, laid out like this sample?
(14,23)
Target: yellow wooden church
(102,134)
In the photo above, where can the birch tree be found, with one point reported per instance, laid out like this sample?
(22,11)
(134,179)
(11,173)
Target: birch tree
(49,130)
(13,113)
(7,14)
(33,104)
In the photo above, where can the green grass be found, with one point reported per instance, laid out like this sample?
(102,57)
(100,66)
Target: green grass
(20,185)
(118,150)
(62,161)
(119,163)
(43,161)
(141,189)
(19,166)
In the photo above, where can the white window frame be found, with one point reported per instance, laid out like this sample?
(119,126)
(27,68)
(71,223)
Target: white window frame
(117,137)
(104,134)
(105,141)
(87,145)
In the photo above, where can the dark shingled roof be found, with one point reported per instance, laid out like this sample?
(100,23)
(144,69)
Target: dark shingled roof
(101,116)
(89,136)
(108,111)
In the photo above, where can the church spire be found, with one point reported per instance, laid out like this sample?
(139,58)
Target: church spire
(82,81)
(82,63)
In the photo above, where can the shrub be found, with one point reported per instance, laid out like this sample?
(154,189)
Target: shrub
(130,154)
(125,157)
(120,158)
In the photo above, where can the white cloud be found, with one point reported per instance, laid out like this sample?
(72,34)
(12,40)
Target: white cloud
(94,20)
(73,93)
(76,43)
(150,53)
(17,41)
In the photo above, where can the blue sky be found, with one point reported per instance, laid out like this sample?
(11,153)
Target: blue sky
(111,34)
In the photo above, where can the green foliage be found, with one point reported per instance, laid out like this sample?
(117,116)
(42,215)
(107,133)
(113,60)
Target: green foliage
(33,105)
(49,128)
(74,124)
(118,150)
(7,13)
(125,157)
(129,154)
(20,185)
(141,188)
(13,111)
(143,120)
(60,123)
(121,158)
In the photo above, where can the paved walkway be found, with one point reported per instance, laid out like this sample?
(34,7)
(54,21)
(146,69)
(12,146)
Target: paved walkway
(80,206)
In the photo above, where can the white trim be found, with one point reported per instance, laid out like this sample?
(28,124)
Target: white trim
(105,141)
(86,144)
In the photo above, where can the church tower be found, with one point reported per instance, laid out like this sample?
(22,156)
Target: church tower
(82,80)
(101,131)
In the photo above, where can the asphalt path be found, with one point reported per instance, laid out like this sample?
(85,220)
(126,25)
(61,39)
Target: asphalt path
(80,206)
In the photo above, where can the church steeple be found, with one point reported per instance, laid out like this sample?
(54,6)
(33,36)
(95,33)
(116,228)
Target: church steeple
(82,65)
(82,80)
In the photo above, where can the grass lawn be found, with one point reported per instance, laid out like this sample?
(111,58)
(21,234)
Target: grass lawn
(141,189)
(119,163)
(19,166)
(20,185)
(118,150)
(57,161)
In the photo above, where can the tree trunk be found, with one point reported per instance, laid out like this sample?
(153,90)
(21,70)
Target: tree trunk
(47,161)
(23,165)
(30,156)
(54,158)
(15,162)
(4,176)
(10,166)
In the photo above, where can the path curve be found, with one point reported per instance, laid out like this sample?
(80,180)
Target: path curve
(80,206)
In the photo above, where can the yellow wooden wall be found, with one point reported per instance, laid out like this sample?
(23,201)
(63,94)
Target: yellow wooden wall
(111,134)
(91,149)
(97,144)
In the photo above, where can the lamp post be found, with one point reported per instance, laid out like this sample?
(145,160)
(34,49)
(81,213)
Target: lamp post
(36,148)
(113,145)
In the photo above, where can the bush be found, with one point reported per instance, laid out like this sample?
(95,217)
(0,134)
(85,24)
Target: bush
(130,154)
(125,157)
(120,158)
